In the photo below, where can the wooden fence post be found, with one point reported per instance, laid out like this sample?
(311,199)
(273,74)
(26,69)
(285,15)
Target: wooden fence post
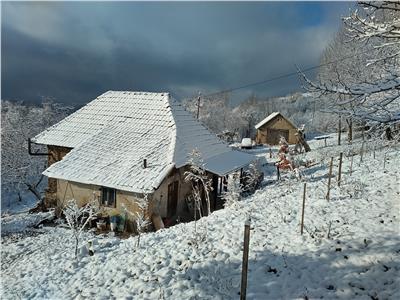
(302,211)
(339,130)
(340,167)
(329,179)
(270,153)
(351,163)
(278,173)
(245,262)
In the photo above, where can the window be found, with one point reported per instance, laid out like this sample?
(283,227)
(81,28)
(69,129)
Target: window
(108,196)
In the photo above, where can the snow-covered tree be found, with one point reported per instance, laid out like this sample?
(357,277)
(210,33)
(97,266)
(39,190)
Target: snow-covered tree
(252,178)
(215,112)
(197,176)
(141,218)
(20,171)
(233,194)
(223,119)
(78,217)
(367,87)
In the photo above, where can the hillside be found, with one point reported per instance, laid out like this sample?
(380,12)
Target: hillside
(350,248)
(217,113)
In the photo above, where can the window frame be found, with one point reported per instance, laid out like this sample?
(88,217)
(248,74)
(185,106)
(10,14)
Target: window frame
(108,197)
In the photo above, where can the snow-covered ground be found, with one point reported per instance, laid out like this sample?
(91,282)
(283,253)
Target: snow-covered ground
(11,205)
(359,259)
(23,222)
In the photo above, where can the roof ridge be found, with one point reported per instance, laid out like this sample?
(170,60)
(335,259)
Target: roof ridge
(268,118)
(173,133)
(136,92)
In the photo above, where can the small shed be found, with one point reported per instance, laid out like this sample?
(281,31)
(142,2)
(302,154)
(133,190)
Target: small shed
(273,127)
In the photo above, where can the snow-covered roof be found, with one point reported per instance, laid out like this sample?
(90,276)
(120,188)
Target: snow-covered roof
(225,163)
(109,108)
(121,129)
(270,118)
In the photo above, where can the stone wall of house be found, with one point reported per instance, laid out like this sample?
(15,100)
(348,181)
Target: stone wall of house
(56,154)
(84,193)
(161,194)
(158,201)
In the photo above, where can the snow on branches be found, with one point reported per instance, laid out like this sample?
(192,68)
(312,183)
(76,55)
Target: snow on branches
(141,219)
(372,92)
(139,216)
(78,217)
(233,194)
(20,171)
(375,20)
(197,176)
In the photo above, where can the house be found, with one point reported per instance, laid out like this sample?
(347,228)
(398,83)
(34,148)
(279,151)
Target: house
(273,127)
(126,146)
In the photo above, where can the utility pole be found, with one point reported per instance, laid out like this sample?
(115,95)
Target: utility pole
(198,105)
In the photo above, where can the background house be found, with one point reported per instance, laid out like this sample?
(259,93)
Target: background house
(273,127)
(125,145)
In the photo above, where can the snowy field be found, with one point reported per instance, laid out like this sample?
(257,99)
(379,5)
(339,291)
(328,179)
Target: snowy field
(359,260)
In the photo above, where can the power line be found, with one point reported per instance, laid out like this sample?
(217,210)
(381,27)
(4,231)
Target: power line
(285,75)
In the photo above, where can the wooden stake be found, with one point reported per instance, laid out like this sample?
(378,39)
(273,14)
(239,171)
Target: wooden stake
(339,130)
(329,179)
(245,262)
(351,164)
(340,167)
(302,211)
(270,153)
(278,174)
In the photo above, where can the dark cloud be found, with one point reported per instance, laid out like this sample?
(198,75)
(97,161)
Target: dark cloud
(74,51)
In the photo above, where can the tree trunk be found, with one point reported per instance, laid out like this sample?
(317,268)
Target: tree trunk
(33,189)
(304,143)
(76,246)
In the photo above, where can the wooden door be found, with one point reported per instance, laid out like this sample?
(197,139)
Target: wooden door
(172,198)
(274,135)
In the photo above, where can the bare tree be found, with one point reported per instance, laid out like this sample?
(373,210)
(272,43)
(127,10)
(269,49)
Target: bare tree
(370,91)
(197,176)
(233,194)
(78,217)
(20,171)
(141,219)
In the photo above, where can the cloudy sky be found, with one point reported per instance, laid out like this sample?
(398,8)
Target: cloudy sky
(74,51)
